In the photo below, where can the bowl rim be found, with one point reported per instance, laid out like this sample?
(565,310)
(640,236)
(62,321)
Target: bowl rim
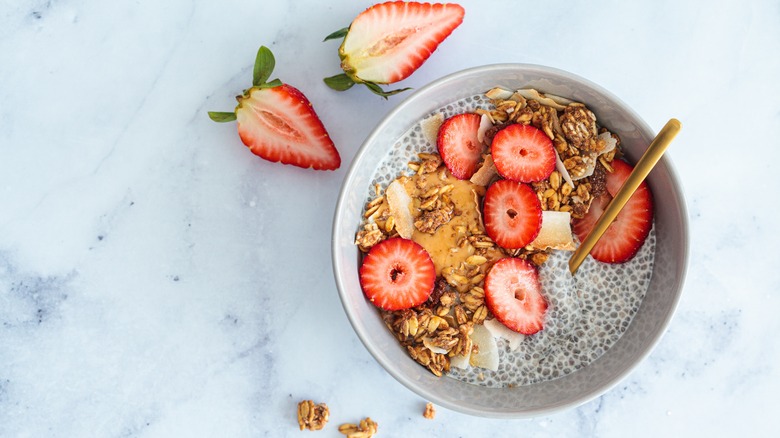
(350,174)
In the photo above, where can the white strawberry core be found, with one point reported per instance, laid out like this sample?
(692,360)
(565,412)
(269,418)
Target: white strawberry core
(389,42)
(278,124)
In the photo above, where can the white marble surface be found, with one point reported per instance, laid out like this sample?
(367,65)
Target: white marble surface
(157,280)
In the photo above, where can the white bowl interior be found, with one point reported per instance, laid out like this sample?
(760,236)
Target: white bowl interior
(573,389)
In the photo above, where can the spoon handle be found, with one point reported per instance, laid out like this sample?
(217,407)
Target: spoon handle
(640,172)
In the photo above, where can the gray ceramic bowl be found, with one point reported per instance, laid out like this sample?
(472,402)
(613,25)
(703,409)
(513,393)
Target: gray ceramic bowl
(573,389)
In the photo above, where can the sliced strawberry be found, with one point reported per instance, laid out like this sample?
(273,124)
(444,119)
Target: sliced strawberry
(389,41)
(523,153)
(397,274)
(513,213)
(625,236)
(458,145)
(279,124)
(514,294)
(620,173)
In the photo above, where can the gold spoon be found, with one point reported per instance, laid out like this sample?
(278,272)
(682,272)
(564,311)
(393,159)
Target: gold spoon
(640,172)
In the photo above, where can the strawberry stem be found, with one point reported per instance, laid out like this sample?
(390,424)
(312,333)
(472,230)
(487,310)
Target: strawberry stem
(271,84)
(222,117)
(340,82)
(376,89)
(264,65)
(341,33)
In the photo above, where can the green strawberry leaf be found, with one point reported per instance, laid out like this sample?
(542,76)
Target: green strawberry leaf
(222,117)
(341,33)
(264,65)
(340,82)
(376,89)
(271,84)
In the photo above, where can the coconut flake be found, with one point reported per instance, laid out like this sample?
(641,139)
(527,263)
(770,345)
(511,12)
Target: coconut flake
(517,97)
(430,127)
(484,125)
(487,349)
(499,330)
(498,93)
(479,210)
(555,232)
(399,203)
(486,173)
(428,342)
(562,170)
(530,93)
(556,124)
(558,99)
(609,140)
(460,361)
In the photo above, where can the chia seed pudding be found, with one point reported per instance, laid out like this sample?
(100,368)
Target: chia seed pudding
(586,313)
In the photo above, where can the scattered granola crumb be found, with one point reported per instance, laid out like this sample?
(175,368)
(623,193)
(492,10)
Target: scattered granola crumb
(365,429)
(430,221)
(430,412)
(312,416)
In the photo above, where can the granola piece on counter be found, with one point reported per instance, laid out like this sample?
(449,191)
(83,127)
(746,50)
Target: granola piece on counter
(365,429)
(312,416)
(430,411)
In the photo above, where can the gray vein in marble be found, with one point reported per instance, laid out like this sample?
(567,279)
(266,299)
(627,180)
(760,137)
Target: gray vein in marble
(149,91)
(231,86)
(587,417)
(713,335)
(29,299)
(21,16)
(106,221)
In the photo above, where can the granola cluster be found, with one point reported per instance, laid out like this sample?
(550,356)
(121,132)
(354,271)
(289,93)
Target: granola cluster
(312,416)
(441,328)
(430,411)
(365,429)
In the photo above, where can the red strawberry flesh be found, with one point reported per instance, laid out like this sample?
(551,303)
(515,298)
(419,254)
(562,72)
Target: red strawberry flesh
(523,153)
(458,145)
(279,124)
(625,236)
(513,294)
(397,274)
(389,41)
(512,214)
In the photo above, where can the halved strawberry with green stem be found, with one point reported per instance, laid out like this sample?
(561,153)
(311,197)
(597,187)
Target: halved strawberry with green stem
(523,153)
(458,145)
(397,274)
(389,41)
(513,294)
(512,213)
(278,123)
(626,234)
